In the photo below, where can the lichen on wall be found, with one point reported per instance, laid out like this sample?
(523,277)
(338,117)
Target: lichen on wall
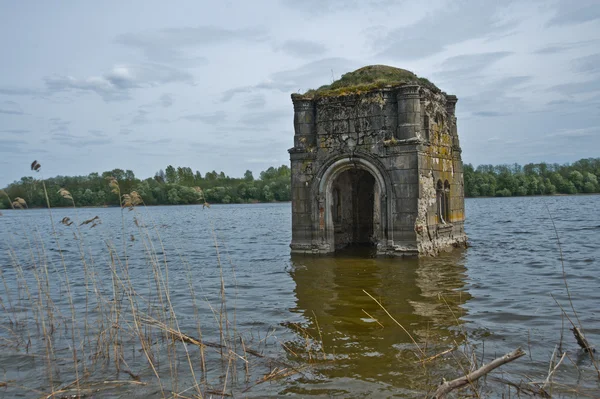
(426,202)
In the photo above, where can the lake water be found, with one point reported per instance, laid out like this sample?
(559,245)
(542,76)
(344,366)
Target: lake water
(321,335)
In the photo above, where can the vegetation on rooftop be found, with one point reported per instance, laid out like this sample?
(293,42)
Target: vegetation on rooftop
(369,78)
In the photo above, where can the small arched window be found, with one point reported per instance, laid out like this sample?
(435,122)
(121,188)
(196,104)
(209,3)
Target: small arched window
(440,198)
(447,201)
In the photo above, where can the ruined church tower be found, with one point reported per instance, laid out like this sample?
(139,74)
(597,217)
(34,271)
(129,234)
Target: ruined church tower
(376,161)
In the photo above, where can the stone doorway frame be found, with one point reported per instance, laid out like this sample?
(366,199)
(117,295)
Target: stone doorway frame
(323,200)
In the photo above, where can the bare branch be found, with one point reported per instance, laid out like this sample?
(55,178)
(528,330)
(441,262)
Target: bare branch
(448,386)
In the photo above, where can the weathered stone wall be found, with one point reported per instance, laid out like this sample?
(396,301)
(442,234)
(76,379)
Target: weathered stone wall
(406,138)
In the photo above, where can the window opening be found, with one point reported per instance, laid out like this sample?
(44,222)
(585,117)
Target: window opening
(447,201)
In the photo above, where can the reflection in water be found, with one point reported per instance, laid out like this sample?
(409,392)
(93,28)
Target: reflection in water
(424,295)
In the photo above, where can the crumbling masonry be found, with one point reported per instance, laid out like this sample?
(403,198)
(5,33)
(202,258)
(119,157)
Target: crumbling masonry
(380,167)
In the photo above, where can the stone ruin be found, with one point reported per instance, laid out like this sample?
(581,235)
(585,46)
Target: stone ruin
(376,161)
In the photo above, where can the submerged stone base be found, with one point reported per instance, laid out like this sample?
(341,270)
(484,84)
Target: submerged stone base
(430,248)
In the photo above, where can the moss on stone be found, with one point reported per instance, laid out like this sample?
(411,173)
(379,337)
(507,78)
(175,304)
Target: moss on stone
(366,79)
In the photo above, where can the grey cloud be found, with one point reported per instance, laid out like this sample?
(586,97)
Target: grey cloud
(269,85)
(169,45)
(490,104)
(467,66)
(473,19)
(510,82)
(147,141)
(15,131)
(575,103)
(315,73)
(588,64)
(575,12)
(10,108)
(573,133)
(302,48)
(125,131)
(10,112)
(19,91)
(79,141)
(166,100)
(321,7)
(140,117)
(311,75)
(255,102)
(560,47)
(232,147)
(97,133)
(577,88)
(234,128)
(488,114)
(262,160)
(561,102)
(551,50)
(473,61)
(12,141)
(12,146)
(265,118)
(58,125)
(498,98)
(115,84)
(210,119)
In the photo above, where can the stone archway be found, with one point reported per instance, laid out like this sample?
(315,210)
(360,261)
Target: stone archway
(352,207)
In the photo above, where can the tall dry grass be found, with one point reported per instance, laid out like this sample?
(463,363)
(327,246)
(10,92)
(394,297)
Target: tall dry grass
(109,330)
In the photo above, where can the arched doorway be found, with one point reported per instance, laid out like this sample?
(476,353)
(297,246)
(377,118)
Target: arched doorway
(353,208)
(352,204)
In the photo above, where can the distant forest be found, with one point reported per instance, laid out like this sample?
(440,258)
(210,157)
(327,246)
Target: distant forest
(532,179)
(176,186)
(172,186)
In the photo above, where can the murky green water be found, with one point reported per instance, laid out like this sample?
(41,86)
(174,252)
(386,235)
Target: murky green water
(497,293)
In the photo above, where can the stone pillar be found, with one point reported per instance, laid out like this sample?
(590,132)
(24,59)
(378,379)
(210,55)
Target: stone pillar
(409,112)
(425,133)
(304,123)
(451,101)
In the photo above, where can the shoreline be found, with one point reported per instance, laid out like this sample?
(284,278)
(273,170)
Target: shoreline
(283,202)
(145,206)
(535,196)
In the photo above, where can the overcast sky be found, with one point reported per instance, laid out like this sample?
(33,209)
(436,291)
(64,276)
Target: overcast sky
(92,86)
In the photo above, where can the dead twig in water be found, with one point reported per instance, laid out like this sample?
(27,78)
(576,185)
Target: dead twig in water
(275,374)
(579,335)
(581,340)
(448,386)
(438,355)
(189,339)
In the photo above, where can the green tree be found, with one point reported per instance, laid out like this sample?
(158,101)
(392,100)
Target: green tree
(171,174)
(173,196)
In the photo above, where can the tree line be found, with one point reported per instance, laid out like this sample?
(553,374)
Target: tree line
(532,179)
(181,185)
(171,186)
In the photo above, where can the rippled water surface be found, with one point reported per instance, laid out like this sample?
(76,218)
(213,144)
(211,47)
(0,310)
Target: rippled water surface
(310,317)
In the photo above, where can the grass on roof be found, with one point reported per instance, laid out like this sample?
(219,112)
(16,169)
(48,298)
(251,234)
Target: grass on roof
(369,78)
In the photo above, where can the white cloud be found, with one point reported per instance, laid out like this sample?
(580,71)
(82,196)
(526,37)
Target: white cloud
(116,83)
